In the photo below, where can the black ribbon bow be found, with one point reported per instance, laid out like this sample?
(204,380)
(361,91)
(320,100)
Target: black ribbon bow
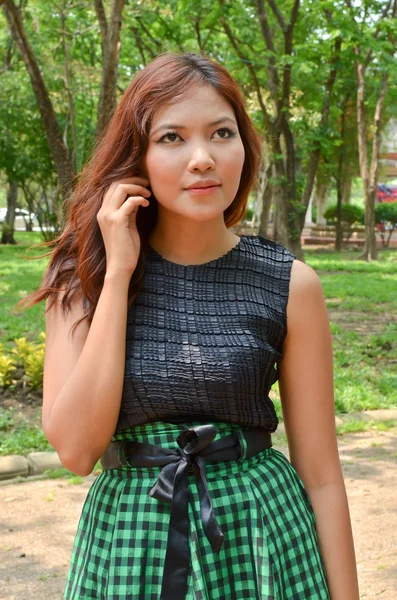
(172,487)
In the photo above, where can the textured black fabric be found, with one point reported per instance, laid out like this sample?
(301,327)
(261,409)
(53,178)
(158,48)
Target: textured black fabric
(203,341)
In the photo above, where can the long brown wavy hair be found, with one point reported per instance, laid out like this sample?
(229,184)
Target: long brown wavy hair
(78,261)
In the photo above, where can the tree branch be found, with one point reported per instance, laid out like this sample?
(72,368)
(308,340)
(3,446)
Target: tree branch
(368,55)
(145,29)
(266,117)
(274,81)
(278,15)
(211,29)
(111,46)
(142,45)
(288,36)
(377,132)
(103,24)
(316,152)
(198,32)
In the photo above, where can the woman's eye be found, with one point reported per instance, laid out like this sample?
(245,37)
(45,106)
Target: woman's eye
(167,135)
(226,130)
(170,136)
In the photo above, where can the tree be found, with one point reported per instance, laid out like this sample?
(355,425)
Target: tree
(276,103)
(24,152)
(53,132)
(384,33)
(64,151)
(110,42)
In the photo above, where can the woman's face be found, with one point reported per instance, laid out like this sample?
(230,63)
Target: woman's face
(195,139)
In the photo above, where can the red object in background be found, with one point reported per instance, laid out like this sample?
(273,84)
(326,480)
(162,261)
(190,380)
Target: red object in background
(386,193)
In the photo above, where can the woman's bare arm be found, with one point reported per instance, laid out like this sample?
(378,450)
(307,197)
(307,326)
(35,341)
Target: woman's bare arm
(81,407)
(83,379)
(307,398)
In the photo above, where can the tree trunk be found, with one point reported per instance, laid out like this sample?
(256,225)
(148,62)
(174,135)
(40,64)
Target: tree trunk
(369,175)
(339,184)
(288,225)
(339,228)
(278,232)
(370,247)
(7,236)
(266,204)
(53,132)
(67,77)
(259,191)
(110,39)
(322,191)
(309,211)
(347,189)
(316,152)
(263,198)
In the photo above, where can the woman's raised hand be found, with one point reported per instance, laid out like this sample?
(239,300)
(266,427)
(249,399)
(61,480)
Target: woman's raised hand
(117,222)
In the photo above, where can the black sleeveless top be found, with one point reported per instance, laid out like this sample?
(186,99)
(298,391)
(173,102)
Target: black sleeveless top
(203,341)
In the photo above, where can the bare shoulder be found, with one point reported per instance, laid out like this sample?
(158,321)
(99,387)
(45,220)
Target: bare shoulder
(306,302)
(304,279)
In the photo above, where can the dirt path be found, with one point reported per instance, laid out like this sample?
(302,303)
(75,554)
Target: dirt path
(39,520)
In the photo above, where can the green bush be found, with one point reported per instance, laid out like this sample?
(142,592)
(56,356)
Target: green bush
(30,356)
(386,212)
(351,214)
(7,368)
(249,213)
(23,349)
(386,215)
(34,368)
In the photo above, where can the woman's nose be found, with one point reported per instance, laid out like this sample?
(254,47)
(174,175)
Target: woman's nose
(201,160)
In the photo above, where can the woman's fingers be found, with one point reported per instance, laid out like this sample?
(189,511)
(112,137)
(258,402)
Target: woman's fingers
(131,205)
(119,190)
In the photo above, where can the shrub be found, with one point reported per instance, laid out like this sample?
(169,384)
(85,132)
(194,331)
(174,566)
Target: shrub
(34,368)
(7,368)
(386,219)
(249,213)
(30,356)
(351,215)
(23,348)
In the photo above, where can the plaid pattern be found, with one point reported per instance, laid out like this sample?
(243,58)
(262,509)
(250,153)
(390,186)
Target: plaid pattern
(270,550)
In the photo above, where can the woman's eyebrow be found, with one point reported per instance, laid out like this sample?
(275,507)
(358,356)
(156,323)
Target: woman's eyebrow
(171,126)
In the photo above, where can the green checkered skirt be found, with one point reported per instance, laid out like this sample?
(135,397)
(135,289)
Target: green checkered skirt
(270,549)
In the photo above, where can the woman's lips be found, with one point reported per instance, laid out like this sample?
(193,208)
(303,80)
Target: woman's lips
(200,191)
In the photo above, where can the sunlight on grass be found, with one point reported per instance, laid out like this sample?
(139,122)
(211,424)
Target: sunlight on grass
(359,425)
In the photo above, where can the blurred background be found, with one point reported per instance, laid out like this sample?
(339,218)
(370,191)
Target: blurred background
(318,77)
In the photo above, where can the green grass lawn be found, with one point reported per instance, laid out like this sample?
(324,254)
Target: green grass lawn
(361,298)
(362,303)
(20,276)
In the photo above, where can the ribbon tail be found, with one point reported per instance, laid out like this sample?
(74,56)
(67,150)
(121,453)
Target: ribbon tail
(177,558)
(163,488)
(211,527)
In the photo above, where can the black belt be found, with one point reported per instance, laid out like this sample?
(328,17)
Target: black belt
(196,446)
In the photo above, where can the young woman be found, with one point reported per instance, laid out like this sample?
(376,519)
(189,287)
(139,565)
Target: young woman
(164,336)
